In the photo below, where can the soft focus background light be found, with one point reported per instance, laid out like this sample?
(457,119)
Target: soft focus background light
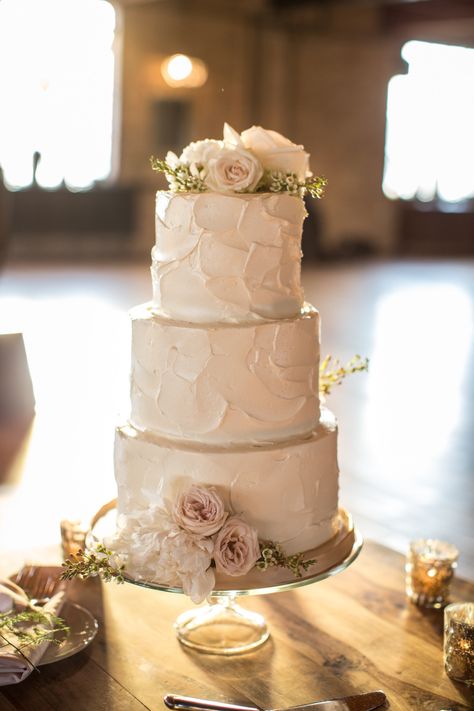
(430,118)
(179,67)
(56,88)
(179,70)
(418,368)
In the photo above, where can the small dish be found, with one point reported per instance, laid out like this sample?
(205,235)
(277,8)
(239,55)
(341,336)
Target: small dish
(82,629)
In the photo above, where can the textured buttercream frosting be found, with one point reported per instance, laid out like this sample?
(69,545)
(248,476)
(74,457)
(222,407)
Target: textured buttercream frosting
(287,491)
(225,383)
(225,364)
(225,257)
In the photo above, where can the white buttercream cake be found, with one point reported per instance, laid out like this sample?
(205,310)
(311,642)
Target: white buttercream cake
(225,422)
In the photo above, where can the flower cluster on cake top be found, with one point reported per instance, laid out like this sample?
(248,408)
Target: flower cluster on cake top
(255,161)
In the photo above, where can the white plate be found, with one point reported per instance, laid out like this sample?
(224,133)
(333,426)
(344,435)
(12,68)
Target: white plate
(82,629)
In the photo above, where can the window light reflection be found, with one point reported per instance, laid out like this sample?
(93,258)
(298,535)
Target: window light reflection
(56,83)
(422,340)
(429,149)
(78,352)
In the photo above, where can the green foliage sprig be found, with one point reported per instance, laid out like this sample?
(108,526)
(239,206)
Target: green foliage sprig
(30,628)
(315,186)
(277,182)
(271,556)
(191,178)
(183,178)
(332,373)
(96,563)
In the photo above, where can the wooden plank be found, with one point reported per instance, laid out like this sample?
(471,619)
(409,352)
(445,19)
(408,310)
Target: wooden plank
(351,633)
(74,684)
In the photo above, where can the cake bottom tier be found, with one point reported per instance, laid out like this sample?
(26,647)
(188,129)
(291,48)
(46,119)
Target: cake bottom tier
(287,491)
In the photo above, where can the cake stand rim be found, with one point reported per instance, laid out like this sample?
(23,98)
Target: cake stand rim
(289,583)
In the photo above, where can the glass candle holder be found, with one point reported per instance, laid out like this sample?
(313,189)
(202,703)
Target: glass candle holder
(429,570)
(459,642)
(73,537)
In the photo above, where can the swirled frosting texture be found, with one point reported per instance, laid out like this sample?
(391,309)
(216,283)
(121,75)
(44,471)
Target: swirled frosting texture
(227,257)
(287,491)
(225,383)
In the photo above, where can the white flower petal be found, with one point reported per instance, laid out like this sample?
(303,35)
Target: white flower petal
(172,159)
(231,137)
(276,152)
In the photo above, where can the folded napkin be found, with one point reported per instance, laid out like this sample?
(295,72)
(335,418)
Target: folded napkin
(13,666)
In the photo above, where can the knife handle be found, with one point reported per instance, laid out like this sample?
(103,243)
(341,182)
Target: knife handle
(185,703)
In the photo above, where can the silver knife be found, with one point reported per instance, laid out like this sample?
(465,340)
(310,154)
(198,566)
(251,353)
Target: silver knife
(359,702)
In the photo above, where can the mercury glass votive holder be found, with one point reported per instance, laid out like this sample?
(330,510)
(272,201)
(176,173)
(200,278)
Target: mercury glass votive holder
(429,568)
(459,642)
(73,537)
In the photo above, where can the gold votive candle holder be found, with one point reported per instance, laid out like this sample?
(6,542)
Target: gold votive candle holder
(459,642)
(429,568)
(73,537)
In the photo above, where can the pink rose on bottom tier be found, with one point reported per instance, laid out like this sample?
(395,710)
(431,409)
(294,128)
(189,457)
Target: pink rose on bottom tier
(236,548)
(199,510)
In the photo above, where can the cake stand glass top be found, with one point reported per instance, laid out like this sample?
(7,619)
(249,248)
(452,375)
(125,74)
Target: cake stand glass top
(222,626)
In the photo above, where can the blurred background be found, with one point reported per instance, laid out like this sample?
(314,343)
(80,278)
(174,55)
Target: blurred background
(380,92)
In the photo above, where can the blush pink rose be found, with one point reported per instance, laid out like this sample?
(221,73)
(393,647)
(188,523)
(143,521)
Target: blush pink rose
(233,170)
(199,510)
(236,548)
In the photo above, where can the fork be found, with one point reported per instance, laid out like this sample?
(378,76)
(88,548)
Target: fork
(37,582)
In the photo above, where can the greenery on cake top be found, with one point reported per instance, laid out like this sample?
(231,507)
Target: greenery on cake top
(255,161)
(186,179)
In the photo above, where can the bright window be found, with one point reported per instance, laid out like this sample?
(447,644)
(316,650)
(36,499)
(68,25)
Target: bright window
(56,91)
(429,149)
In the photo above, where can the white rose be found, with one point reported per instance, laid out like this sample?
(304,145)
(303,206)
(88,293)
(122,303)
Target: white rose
(233,170)
(201,151)
(276,152)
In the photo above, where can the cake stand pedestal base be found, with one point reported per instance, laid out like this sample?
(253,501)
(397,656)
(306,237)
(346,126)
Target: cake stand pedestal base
(221,627)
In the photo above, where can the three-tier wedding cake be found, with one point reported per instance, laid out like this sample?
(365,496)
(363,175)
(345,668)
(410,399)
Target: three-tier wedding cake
(228,461)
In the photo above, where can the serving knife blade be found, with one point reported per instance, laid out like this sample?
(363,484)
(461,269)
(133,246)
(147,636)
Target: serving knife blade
(359,702)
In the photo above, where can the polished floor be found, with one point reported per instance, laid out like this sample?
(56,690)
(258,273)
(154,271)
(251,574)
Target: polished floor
(406,428)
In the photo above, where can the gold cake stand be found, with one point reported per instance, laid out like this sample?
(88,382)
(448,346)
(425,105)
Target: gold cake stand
(221,626)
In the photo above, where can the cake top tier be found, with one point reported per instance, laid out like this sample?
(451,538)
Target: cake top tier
(227,258)
(257,160)
(228,231)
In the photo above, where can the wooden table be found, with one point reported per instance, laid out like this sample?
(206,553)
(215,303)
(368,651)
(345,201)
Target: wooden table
(352,633)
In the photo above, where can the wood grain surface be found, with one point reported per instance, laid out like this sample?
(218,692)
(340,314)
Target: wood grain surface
(353,633)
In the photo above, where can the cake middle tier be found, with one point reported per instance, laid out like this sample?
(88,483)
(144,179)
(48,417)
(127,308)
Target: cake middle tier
(225,383)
